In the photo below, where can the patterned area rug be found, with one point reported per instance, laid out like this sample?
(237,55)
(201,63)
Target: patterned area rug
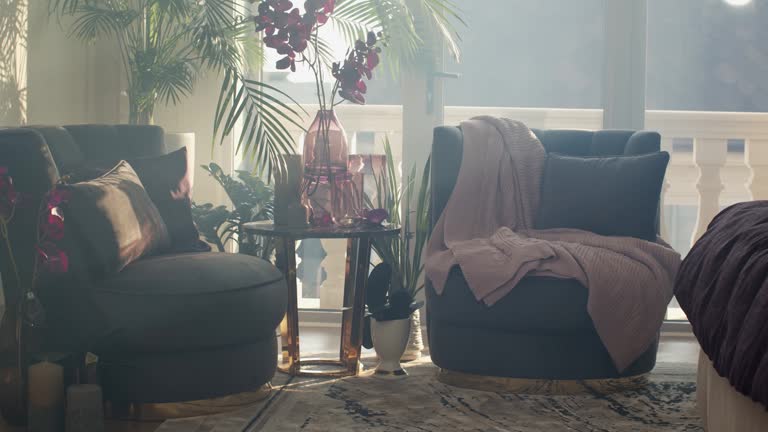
(420,403)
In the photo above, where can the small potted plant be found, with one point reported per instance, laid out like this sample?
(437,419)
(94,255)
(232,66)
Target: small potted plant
(394,283)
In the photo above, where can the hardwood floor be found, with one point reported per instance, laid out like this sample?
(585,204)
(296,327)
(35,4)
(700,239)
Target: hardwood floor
(323,342)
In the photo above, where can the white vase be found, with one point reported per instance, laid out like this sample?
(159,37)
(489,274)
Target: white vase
(389,341)
(175,141)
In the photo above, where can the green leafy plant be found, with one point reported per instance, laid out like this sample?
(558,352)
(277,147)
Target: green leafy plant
(403,253)
(252,200)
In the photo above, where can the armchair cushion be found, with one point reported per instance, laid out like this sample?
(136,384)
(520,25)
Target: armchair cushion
(113,221)
(168,183)
(169,303)
(613,196)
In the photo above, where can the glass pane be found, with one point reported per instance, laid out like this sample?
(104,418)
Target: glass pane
(706,66)
(530,54)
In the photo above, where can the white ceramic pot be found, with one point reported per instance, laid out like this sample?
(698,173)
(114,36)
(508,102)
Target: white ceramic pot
(389,340)
(174,141)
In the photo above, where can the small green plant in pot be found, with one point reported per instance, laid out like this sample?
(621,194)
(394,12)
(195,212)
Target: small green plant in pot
(252,200)
(394,284)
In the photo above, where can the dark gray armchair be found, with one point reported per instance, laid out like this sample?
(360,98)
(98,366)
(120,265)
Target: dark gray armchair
(541,329)
(168,328)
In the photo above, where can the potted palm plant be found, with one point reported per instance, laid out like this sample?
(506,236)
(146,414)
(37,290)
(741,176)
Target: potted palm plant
(166,45)
(395,283)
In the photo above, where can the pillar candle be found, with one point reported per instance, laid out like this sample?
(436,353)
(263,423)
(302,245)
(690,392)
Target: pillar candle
(46,397)
(85,410)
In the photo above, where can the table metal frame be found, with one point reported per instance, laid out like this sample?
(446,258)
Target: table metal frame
(358,259)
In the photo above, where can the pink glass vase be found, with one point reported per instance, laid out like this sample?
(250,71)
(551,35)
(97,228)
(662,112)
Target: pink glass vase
(326,156)
(325,146)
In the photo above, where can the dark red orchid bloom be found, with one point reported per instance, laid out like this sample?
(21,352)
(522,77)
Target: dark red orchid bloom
(281,5)
(325,220)
(376,216)
(286,62)
(58,196)
(359,63)
(52,227)
(53,259)
(329,6)
(289,32)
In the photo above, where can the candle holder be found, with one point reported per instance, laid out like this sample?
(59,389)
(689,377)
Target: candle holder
(370,178)
(290,207)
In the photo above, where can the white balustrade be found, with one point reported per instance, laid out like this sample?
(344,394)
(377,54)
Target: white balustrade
(666,145)
(756,158)
(710,157)
(708,178)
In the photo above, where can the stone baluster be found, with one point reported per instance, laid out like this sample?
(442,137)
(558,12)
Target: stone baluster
(666,145)
(709,156)
(756,158)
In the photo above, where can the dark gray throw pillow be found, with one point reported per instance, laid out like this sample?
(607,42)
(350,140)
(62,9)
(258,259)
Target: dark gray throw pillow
(114,221)
(168,182)
(612,196)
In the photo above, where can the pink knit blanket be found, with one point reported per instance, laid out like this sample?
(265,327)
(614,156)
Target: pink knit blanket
(487,230)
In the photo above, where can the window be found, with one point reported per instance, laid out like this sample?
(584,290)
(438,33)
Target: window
(706,60)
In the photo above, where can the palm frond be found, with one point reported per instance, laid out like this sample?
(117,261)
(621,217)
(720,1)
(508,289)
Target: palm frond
(64,7)
(174,10)
(446,15)
(267,111)
(95,21)
(397,19)
(174,79)
(353,19)
(319,48)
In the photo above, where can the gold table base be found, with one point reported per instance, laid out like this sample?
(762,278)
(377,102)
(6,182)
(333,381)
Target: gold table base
(353,308)
(358,260)
(331,368)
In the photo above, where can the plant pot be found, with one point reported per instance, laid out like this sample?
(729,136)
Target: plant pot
(389,340)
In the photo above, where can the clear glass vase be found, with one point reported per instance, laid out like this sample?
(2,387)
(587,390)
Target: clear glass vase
(326,157)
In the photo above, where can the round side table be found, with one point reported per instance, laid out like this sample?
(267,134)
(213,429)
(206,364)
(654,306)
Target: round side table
(353,306)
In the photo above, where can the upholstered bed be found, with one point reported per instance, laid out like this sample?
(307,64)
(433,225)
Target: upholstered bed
(722,286)
(722,408)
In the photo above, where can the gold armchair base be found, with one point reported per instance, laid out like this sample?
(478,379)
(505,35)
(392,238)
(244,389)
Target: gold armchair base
(540,386)
(156,412)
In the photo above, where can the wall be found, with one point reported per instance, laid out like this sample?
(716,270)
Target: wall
(195,114)
(69,81)
(13,52)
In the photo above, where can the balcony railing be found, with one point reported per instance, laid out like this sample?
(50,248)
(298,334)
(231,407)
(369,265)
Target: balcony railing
(717,158)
